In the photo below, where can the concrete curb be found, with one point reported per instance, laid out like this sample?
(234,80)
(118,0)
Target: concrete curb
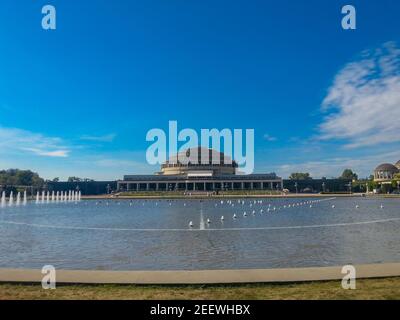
(201,276)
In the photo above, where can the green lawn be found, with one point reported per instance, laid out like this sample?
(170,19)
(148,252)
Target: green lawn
(388,288)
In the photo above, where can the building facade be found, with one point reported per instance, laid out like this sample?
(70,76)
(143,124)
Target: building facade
(200,169)
(386,172)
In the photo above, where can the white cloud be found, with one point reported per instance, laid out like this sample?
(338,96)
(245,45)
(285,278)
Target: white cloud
(106,138)
(56,153)
(269,138)
(17,140)
(364,100)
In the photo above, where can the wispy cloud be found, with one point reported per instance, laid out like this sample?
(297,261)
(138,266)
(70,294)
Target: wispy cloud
(18,140)
(40,152)
(364,100)
(104,138)
(36,151)
(268,137)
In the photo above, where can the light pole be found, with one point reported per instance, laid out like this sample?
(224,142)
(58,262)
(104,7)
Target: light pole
(295,184)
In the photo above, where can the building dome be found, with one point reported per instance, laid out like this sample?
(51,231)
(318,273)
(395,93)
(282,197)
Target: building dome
(199,161)
(200,155)
(385,172)
(387,167)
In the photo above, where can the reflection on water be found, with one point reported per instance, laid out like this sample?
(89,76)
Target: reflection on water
(155,235)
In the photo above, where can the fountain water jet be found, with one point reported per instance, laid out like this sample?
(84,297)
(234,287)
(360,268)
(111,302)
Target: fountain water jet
(11,200)
(37,197)
(3,199)
(18,199)
(25,199)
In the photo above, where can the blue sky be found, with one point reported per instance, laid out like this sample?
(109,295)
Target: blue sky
(79,100)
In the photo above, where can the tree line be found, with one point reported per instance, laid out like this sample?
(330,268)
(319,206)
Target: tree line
(347,174)
(17,177)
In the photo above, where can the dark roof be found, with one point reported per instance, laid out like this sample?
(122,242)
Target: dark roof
(160,178)
(386,167)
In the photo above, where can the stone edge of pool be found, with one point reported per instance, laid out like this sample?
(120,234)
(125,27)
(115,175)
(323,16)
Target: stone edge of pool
(201,276)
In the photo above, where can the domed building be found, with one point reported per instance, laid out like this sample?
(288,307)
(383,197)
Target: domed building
(385,172)
(200,169)
(199,161)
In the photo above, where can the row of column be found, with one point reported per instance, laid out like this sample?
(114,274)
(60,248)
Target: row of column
(202,186)
(384,175)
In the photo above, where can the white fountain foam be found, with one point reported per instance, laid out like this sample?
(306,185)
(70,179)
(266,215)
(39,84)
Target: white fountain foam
(3,199)
(25,199)
(11,200)
(18,199)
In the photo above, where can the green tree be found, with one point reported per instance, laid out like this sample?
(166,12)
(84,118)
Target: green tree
(300,176)
(74,179)
(349,174)
(20,177)
(372,185)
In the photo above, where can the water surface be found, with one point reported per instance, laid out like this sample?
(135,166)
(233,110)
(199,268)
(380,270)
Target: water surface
(155,235)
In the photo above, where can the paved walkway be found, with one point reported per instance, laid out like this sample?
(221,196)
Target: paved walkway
(201,277)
